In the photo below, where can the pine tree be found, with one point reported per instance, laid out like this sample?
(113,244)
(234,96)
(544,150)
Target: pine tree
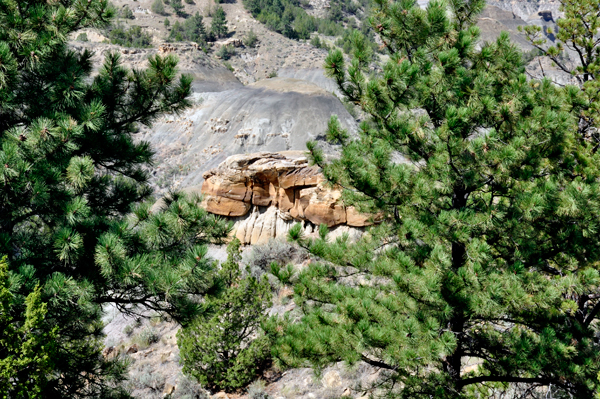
(178,7)
(577,52)
(488,251)
(225,348)
(218,25)
(74,213)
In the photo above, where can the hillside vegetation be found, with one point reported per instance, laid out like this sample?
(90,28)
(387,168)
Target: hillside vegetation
(472,179)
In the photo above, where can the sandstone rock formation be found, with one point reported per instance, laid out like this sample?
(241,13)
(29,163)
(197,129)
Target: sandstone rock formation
(269,192)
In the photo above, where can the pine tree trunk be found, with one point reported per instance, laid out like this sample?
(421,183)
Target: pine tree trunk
(456,324)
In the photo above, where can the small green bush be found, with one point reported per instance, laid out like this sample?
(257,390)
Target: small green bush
(251,40)
(217,348)
(128,330)
(82,37)
(228,66)
(127,13)
(225,52)
(157,7)
(147,337)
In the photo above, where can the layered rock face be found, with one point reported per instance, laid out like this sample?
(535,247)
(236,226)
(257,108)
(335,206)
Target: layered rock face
(268,192)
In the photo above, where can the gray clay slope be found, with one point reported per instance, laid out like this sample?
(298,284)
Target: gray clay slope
(276,114)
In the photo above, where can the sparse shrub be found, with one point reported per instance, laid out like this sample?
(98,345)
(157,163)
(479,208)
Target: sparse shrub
(147,337)
(128,330)
(127,13)
(278,251)
(228,66)
(152,380)
(187,388)
(82,37)
(217,348)
(167,23)
(251,40)
(272,74)
(226,52)
(189,2)
(257,390)
(157,7)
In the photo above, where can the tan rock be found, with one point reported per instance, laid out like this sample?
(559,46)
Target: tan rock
(226,207)
(356,219)
(110,353)
(286,199)
(169,389)
(132,349)
(284,182)
(220,395)
(332,379)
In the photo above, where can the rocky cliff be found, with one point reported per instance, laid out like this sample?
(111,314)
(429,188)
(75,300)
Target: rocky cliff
(267,193)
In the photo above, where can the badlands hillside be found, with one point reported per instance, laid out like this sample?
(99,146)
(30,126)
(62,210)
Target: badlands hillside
(252,116)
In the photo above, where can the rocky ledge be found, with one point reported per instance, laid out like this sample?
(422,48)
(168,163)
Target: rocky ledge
(268,192)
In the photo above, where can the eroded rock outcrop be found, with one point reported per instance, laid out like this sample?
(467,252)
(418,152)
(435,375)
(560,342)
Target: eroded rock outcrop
(268,192)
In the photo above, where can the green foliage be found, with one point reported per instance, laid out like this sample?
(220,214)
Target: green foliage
(290,19)
(74,216)
(133,36)
(157,7)
(316,41)
(251,40)
(178,7)
(146,337)
(489,194)
(579,32)
(167,23)
(228,66)
(192,29)
(225,349)
(218,26)
(127,13)
(27,349)
(225,52)
(82,37)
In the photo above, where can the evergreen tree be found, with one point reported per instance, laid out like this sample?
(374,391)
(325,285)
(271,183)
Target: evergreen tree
(225,348)
(578,37)
(488,250)
(73,186)
(218,25)
(178,8)
(192,29)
